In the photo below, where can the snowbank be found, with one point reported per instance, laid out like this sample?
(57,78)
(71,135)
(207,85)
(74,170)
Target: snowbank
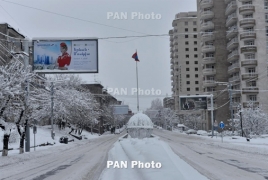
(147,150)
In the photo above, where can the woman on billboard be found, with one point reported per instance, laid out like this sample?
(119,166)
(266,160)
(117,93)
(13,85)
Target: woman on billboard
(64,60)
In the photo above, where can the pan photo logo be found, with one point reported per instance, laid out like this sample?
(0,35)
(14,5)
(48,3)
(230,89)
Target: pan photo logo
(133,164)
(133,15)
(134,91)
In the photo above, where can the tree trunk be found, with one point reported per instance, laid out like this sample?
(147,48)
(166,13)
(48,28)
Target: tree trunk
(5,144)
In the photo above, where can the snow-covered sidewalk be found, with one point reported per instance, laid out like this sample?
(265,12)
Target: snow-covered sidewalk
(146,151)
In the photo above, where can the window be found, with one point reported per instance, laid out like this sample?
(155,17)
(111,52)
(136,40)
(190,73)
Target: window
(196,75)
(187,82)
(196,82)
(249,56)
(186,42)
(266,30)
(252,98)
(265,4)
(186,30)
(252,84)
(187,75)
(187,55)
(186,23)
(197,89)
(187,69)
(195,42)
(196,69)
(196,56)
(247,2)
(266,17)
(195,29)
(187,62)
(195,49)
(196,62)
(195,36)
(248,16)
(188,89)
(186,49)
(249,42)
(249,29)
(194,22)
(186,36)
(209,54)
(251,70)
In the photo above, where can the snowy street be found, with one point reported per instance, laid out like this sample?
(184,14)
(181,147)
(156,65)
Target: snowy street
(217,160)
(79,160)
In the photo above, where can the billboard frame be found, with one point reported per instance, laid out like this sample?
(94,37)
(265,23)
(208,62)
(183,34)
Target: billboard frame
(36,39)
(193,96)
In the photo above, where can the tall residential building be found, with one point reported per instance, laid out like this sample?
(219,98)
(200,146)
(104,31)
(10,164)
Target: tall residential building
(186,69)
(247,23)
(212,25)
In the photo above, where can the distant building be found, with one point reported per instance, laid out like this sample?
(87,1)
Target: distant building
(10,39)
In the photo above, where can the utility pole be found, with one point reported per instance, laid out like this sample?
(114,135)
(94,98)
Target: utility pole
(231,105)
(52,104)
(26,65)
(212,108)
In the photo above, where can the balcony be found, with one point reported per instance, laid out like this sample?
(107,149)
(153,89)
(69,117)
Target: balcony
(248,48)
(172,78)
(206,15)
(249,63)
(209,71)
(233,56)
(176,73)
(231,20)
(231,7)
(232,44)
(232,32)
(246,76)
(227,1)
(214,106)
(209,60)
(250,90)
(206,4)
(247,22)
(247,104)
(172,66)
(207,37)
(207,26)
(251,35)
(233,68)
(208,48)
(247,9)
(209,83)
(234,79)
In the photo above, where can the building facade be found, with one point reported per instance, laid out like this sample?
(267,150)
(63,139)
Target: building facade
(186,69)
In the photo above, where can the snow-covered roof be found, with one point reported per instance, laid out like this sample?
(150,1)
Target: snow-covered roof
(140,120)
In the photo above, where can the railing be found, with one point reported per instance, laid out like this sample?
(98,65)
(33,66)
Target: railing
(209,70)
(233,54)
(247,7)
(234,78)
(236,65)
(230,17)
(235,40)
(232,29)
(229,6)
(248,34)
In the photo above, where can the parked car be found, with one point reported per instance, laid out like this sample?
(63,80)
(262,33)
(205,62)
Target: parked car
(191,131)
(202,133)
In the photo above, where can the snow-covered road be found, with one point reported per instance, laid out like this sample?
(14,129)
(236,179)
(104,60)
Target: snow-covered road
(79,160)
(217,160)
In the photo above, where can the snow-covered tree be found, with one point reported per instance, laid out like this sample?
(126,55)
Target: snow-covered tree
(254,120)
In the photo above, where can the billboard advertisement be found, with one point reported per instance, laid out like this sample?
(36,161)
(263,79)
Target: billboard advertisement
(193,103)
(65,56)
(120,109)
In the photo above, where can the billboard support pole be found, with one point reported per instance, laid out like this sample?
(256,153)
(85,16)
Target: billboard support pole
(211,102)
(51,118)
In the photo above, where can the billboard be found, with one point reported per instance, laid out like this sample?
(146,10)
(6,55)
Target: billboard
(120,109)
(193,102)
(65,56)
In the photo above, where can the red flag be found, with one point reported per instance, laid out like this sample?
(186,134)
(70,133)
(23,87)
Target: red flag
(135,56)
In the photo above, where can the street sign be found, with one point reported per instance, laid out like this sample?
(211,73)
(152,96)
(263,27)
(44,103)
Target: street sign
(221,125)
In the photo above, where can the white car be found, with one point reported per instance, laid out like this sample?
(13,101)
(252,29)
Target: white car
(117,131)
(191,131)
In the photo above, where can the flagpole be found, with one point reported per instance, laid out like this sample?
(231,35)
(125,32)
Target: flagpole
(137,85)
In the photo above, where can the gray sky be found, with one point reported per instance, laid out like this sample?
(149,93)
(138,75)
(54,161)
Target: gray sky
(116,67)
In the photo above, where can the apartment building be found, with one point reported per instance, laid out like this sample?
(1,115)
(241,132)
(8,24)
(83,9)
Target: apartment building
(10,39)
(247,23)
(186,69)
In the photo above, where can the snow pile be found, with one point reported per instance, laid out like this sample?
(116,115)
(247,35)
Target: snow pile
(140,126)
(147,150)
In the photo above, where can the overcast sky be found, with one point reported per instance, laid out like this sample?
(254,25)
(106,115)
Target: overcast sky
(116,67)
